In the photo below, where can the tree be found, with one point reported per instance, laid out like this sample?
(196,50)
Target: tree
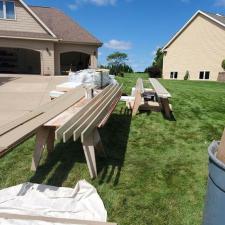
(223,64)
(158,60)
(146,70)
(117,61)
(154,72)
(157,65)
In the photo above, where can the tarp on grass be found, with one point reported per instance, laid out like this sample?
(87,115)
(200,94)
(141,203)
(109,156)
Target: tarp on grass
(82,203)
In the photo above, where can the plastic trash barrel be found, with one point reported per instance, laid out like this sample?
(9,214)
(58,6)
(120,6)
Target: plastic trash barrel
(214,212)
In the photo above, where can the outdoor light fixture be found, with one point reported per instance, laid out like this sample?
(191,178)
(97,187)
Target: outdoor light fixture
(47,49)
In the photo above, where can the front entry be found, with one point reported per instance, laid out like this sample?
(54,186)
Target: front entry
(19,61)
(73,61)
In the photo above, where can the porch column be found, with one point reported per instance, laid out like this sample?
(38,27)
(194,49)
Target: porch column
(94,61)
(48,61)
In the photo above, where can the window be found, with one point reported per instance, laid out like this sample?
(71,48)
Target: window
(204,75)
(7,10)
(10,10)
(1,10)
(173,75)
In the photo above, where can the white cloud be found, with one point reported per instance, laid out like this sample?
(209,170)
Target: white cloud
(118,45)
(220,3)
(103,2)
(73,6)
(77,3)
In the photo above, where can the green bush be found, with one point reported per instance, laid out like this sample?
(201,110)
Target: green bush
(154,72)
(187,75)
(223,64)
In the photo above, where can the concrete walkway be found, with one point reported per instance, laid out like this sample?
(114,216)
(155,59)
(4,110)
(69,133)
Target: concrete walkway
(21,94)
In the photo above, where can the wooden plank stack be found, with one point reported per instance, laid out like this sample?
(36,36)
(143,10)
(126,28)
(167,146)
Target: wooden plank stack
(69,116)
(17,131)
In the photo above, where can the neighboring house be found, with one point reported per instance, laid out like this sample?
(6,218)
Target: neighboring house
(42,40)
(199,47)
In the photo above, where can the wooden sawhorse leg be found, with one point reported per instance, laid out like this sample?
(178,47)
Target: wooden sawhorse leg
(90,144)
(45,137)
(166,107)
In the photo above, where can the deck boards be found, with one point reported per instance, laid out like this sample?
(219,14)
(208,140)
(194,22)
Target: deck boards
(160,90)
(17,135)
(66,130)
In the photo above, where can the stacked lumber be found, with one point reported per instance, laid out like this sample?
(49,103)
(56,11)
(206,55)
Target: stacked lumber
(163,97)
(85,123)
(19,130)
(91,115)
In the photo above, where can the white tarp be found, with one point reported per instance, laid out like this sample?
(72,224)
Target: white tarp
(92,76)
(82,203)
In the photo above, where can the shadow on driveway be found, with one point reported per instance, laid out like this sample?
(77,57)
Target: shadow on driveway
(4,80)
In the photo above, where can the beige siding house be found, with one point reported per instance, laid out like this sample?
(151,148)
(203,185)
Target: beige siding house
(199,47)
(43,40)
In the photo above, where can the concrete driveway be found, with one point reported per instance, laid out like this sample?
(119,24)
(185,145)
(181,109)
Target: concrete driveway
(21,94)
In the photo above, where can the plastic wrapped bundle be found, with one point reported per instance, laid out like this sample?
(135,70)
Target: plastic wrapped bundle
(99,78)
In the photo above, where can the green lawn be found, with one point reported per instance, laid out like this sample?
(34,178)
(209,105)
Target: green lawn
(156,171)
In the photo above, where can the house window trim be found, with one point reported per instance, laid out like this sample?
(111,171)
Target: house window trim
(204,71)
(173,78)
(4,10)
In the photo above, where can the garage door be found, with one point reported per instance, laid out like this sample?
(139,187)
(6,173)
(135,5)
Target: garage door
(19,61)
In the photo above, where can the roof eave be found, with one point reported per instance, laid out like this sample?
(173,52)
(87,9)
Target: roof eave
(81,43)
(30,38)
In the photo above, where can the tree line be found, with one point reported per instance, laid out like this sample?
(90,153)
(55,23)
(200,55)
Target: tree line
(117,64)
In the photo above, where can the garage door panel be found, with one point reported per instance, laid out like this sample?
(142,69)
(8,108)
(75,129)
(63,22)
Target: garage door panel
(19,61)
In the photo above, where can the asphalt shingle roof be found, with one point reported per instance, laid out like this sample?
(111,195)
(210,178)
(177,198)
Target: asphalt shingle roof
(63,26)
(219,18)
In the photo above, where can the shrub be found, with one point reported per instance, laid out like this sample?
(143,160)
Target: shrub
(223,64)
(187,75)
(154,72)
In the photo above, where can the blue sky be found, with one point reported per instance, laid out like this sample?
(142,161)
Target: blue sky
(137,27)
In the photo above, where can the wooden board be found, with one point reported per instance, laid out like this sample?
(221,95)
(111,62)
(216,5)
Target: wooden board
(94,114)
(65,116)
(37,112)
(66,130)
(20,133)
(139,90)
(221,150)
(113,106)
(51,219)
(159,89)
(96,120)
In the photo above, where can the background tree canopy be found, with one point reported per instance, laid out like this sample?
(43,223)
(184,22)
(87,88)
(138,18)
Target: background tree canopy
(155,70)
(117,63)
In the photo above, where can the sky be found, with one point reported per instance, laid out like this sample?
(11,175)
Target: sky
(136,27)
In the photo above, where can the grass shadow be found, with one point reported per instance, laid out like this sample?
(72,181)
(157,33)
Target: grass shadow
(171,118)
(115,138)
(54,170)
